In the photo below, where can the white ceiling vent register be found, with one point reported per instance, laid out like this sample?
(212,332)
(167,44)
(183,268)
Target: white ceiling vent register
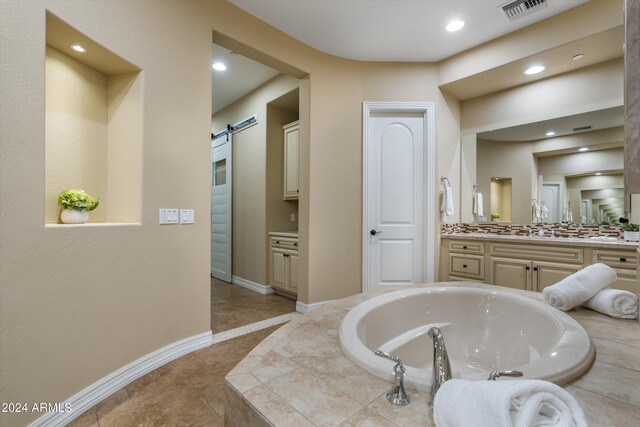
(520,8)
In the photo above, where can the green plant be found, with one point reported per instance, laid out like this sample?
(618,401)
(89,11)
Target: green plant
(495,216)
(630,227)
(77,199)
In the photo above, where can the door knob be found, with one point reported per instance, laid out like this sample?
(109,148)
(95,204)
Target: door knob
(374,232)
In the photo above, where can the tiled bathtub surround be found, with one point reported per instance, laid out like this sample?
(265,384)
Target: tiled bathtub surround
(299,376)
(561,230)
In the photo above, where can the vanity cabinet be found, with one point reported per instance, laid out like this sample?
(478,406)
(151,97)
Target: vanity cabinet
(530,265)
(284,265)
(528,275)
(291,148)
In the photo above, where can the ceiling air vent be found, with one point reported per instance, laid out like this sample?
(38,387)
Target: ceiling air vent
(520,8)
(580,129)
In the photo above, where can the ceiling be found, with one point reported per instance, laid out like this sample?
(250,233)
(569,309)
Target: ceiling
(601,119)
(393,30)
(241,77)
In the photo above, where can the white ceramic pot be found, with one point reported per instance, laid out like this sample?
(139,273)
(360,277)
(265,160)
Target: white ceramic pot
(72,216)
(632,236)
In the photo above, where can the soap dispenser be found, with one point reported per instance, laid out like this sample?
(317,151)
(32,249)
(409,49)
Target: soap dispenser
(540,232)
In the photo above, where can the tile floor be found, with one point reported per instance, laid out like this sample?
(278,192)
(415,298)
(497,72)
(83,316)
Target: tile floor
(189,390)
(233,306)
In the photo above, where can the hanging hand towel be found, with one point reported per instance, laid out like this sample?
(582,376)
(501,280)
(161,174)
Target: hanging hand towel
(447,201)
(478,207)
(614,303)
(516,403)
(544,214)
(536,210)
(574,290)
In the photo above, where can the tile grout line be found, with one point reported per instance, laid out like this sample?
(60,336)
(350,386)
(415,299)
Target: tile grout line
(253,327)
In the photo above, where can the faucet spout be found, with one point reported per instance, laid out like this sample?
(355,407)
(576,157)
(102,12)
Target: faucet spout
(441,366)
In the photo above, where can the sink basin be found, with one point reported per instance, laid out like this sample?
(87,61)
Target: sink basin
(484,330)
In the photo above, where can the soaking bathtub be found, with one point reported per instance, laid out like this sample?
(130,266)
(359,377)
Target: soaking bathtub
(484,330)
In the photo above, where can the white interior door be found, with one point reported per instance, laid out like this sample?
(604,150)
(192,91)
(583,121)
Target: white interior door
(396,172)
(551,199)
(221,208)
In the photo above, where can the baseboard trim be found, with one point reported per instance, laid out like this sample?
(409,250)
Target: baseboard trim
(305,308)
(105,387)
(252,286)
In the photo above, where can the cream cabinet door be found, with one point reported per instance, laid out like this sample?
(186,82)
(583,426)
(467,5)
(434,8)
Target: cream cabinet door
(293,272)
(512,273)
(291,146)
(626,280)
(279,269)
(549,273)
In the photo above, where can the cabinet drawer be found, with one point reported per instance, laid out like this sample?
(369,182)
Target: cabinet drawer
(626,280)
(467,247)
(463,265)
(284,243)
(533,252)
(615,259)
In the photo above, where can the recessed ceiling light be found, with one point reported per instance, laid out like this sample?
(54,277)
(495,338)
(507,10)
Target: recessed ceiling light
(455,25)
(598,173)
(583,149)
(219,66)
(78,48)
(578,56)
(550,133)
(534,69)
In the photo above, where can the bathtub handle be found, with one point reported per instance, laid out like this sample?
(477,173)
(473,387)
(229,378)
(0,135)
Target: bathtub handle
(397,395)
(497,374)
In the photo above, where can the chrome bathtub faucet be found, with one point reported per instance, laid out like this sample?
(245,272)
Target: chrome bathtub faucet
(397,394)
(441,365)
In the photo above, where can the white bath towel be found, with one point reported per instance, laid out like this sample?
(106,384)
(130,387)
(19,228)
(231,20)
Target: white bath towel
(517,403)
(614,303)
(574,290)
(478,205)
(544,212)
(447,201)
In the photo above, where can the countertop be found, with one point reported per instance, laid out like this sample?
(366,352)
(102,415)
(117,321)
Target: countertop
(558,241)
(299,376)
(290,233)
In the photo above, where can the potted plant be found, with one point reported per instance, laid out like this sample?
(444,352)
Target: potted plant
(631,232)
(75,205)
(495,216)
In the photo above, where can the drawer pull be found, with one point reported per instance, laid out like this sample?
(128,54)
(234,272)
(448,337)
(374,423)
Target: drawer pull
(528,268)
(535,268)
(464,247)
(278,241)
(623,260)
(464,265)
(295,244)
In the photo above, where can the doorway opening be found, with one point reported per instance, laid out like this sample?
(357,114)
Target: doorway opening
(250,104)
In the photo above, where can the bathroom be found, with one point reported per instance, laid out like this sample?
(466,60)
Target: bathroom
(120,306)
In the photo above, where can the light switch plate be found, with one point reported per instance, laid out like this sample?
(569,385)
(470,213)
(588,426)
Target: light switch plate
(167,216)
(187,216)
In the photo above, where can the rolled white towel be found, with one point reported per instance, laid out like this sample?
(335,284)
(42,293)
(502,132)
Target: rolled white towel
(614,303)
(516,403)
(574,290)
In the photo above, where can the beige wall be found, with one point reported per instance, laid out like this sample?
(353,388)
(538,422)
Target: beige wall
(590,161)
(250,177)
(78,303)
(588,89)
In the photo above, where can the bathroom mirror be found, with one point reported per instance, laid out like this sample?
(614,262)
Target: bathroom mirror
(564,169)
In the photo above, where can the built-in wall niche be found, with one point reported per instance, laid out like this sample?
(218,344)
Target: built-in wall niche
(501,199)
(93,125)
